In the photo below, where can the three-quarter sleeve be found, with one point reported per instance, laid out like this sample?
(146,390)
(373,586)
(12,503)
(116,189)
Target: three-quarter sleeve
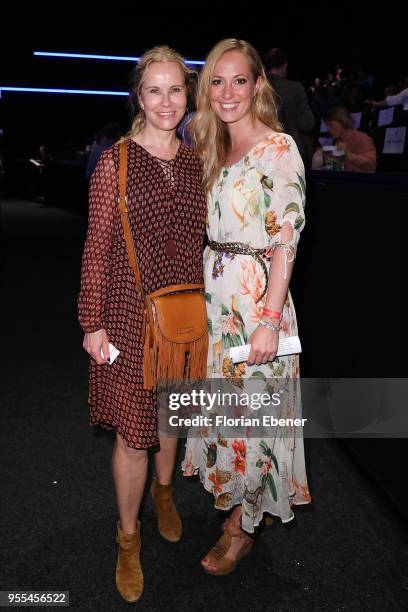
(287,195)
(103,197)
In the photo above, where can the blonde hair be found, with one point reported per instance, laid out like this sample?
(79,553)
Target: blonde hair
(210,135)
(161,53)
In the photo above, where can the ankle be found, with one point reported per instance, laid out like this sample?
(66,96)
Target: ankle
(234,523)
(129,527)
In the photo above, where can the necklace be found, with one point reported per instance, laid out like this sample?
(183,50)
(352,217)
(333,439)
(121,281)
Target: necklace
(169,178)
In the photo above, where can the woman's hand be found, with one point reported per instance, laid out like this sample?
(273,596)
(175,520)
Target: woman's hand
(341,146)
(95,342)
(264,345)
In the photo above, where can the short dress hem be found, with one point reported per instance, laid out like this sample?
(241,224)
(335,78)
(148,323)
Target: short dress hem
(165,204)
(109,426)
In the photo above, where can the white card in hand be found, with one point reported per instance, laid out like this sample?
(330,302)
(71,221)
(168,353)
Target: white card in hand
(287,346)
(113,353)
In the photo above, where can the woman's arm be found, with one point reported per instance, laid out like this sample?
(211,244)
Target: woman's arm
(378,104)
(365,160)
(288,199)
(264,342)
(96,256)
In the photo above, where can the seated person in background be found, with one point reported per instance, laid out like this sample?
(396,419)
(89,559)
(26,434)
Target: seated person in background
(359,148)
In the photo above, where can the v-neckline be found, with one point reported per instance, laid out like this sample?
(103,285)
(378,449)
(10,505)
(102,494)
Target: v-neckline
(159,159)
(249,151)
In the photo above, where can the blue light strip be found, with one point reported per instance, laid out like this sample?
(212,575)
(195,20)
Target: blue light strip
(119,58)
(92,92)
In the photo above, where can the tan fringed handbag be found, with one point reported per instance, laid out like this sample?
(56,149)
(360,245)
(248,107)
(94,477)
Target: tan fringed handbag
(175,337)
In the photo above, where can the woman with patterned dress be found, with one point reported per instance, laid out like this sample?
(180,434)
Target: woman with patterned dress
(167,208)
(254,178)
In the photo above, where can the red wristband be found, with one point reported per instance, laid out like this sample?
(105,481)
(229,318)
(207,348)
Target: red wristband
(272,314)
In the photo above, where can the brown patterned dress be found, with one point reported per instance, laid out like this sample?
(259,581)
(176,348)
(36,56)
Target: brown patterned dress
(166,203)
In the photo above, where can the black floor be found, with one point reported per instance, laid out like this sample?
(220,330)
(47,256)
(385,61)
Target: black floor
(347,551)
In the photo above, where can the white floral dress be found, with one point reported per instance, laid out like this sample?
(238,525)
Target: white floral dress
(249,204)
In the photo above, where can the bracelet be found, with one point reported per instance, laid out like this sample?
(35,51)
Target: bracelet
(269,325)
(273,314)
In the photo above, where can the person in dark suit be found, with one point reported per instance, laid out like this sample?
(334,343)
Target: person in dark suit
(293,108)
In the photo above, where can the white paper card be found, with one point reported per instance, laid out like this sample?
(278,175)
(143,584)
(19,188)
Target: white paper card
(287,346)
(386,116)
(394,141)
(113,353)
(356,120)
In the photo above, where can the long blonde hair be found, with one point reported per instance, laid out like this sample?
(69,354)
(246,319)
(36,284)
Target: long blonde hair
(161,53)
(210,135)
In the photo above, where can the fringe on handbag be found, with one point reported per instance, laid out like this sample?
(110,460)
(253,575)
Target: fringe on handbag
(175,336)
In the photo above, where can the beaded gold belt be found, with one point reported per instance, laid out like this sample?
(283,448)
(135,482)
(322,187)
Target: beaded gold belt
(240,248)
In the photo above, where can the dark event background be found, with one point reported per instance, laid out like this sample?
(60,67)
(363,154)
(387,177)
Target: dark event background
(319,36)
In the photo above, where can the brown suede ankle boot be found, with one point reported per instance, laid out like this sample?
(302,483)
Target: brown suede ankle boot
(129,575)
(168,517)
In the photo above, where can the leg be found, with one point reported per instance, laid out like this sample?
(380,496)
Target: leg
(162,491)
(164,460)
(230,548)
(268,522)
(129,469)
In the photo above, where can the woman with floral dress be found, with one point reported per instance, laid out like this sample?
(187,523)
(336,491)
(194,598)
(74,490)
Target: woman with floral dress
(254,178)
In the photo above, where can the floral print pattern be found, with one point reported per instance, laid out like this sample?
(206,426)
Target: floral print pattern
(250,203)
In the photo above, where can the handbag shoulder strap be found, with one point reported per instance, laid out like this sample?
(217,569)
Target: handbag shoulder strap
(123,210)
